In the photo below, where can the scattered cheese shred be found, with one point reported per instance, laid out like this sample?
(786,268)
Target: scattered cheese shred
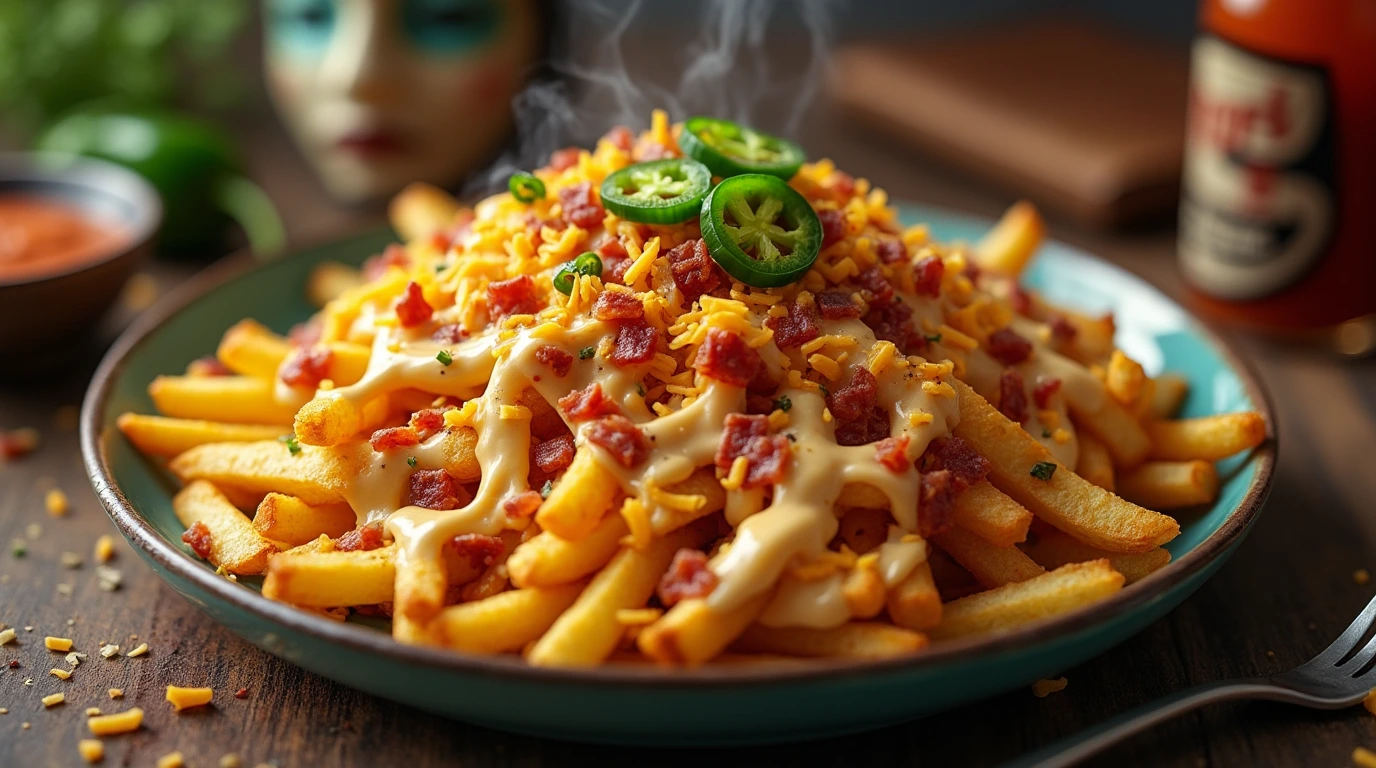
(116,693)
(139,651)
(60,644)
(92,711)
(7,636)
(1361,576)
(92,750)
(1369,702)
(183,698)
(637,617)
(60,673)
(123,722)
(1364,757)
(56,502)
(1043,688)
(230,760)
(54,699)
(109,650)
(105,548)
(171,760)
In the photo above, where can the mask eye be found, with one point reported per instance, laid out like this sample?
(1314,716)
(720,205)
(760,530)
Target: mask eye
(302,26)
(450,26)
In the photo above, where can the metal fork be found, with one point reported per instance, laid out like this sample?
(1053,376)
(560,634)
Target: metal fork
(1338,677)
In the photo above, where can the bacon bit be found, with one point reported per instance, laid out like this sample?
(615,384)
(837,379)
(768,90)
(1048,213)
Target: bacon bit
(394,437)
(1013,395)
(427,422)
(210,365)
(557,359)
(553,455)
(853,400)
(892,452)
(361,539)
(1007,347)
(873,426)
(890,251)
(1062,329)
(307,367)
(726,357)
(833,226)
(512,297)
(796,328)
(927,274)
(688,577)
(522,504)
(621,438)
(481,550)
(435,489)
(412,308)
(876,287)
(648,149)
(611,248)
(242,693)
(836,305)
(580,207)
(843,184)
(894,322)
(621,137)
(694,271)
(1044,391)
(393,255)
(199,539)
(954,454)
(450,333)
(614,270)
(618,306)
(635,343)
(759,404)
(1020,300)
(937,503)
(17,443)
(564,159)
(766,455)
(588,403)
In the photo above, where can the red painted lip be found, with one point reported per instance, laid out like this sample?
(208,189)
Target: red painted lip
(371,143)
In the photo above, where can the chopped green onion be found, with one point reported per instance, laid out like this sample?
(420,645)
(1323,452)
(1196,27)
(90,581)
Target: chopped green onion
(933,338)
(525,187)
(783,403)
(19,548)
(293,447)
(1046,432)
(546,489)
(825,392)
(1043,470)
(410,461)
(587,263)
(640,389)
(586,352)
(440,267)
(444,357)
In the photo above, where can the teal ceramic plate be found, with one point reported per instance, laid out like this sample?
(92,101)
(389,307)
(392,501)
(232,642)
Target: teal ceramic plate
(643,704)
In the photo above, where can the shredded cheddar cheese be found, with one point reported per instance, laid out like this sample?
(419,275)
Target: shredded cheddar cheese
(111,725)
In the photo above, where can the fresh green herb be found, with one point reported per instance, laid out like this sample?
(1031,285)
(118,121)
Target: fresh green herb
(640,389)
(20,549)
(825,392)
(586,352)
(411,461)
(444,357)
(293,447)
(546,489)
(587,263)
(933,338)
(1043,470)
(525,187)
(783,403)
(440,267)
(1046,432)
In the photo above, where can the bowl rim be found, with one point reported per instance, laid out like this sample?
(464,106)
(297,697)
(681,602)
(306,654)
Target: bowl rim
(92,173)
(362,639)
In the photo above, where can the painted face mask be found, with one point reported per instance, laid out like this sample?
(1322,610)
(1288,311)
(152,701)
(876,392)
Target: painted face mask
(380,93)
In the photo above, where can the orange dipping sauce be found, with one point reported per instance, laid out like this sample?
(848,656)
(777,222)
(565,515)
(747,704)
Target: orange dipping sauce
(44,236)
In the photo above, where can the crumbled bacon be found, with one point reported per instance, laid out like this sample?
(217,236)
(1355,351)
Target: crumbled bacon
(894,322)
(892,452)
(450,333)
(1012,395)
(621,137)
(361,539)
(869,428)
(694,271)
(557,359)
(1007,347)
(199,539)
(515,296)
(635,343)
(481,550)
(587,403)
(648,149)
(936,504)
(564,159)
(304,334)
(393,255)
(796,328)
(412,308)
(618,305)
(726,357)
(1020,300)
(435,489)
(1062,329)
(759,404)
(307,367)
(614,270)
(427,422)
(553,455)
(611,248)
(621,438)
(1046,389)
(688,577)
(927,274)
(837,305)
(580,208)
(856,412)
(890,251)
(833,226)
(843,184)
(388,438)
(766,455)
(877,288)
(957,456)
(522,504)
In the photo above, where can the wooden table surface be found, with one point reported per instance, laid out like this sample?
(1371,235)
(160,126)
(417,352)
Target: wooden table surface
(1286,593)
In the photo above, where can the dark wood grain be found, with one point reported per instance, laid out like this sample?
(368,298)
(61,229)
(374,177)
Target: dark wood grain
(1287,592)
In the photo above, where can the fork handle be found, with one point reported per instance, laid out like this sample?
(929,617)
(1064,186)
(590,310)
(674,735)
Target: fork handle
(1080,746)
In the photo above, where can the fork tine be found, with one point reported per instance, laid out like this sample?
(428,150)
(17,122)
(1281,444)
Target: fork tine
(1350,636)
(1357,662)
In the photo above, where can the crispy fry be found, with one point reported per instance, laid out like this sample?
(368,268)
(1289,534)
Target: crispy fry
(702,482)
(1095,464)
(505,621)
(863,589)
(580,499)
(1170,484)
(545,560)
(1013,605)
(952,580)
(237,399)
(1117,428)
(1124,379)
(250,349)
(330,279)
(339,314)
(992,515)
(328,419)
(334,579)
(856,640)
(420,210)
(1167,396)
(1066,500)
(291,521)
(421,587)
(1207,437)
(163,436)
(234,545)
(1054,549)
(992,566)
(1010,244)
(691,633)
(915,603)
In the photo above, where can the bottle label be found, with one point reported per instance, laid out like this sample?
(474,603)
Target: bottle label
(1256,213)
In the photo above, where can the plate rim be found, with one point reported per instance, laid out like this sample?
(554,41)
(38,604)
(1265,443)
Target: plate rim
(366,640)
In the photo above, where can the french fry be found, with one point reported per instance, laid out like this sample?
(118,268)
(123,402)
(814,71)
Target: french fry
(1014,605)
(337,317)
(234,545)
(1095,464)
(163,436)
(1117,428)
(1167,396)
(503,622)
(1066,500)
(915,603)
(545,560)
(692,633)
(1124,379)
(291,521)
(1170,484)
(991,514)
(865,528)
(1208,437)
(422,585)
(315,579)
(992,566)
(237,399)
(1010,244)
(420,210)
(580,499)
(952,580)
(1054,549)
(588,631)
(856,640)
(703,482)
(863,588)
(250,349)
(328,419)
(330,279)
(244,501)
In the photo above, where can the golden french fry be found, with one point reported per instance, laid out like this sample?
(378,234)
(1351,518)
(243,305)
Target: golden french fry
(1167,396)
(915,602)
(420,210)
(234,545)
(703,482)
(330,279)
(545,560)
(422,585)
(992,566)
(311,578)
(1117,428)
(163,436)
(992,515)
(1124,379)
(291,521)
(1008,247)
(692,633)
(1170,484)
(856,640)
(1023,602)
(952,581)
(237,399)
(328,419)
(250,349)
(580,499)
(1207,437)
(1095,464)
(1054,549)
(865,528)
(337,317)
(863,589)
(503,622)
